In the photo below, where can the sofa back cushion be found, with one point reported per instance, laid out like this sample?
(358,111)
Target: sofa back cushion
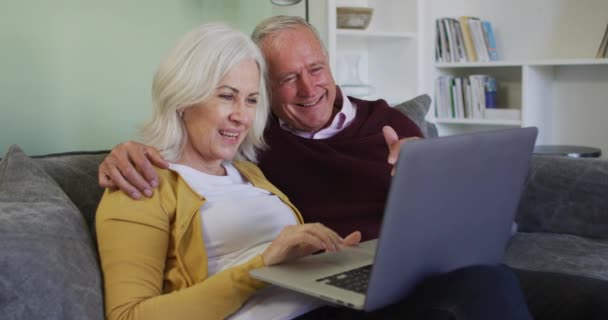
(566,195)
(76,174)
(416,109)
(48,266)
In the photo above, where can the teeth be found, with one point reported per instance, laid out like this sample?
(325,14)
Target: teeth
(310,104)
(229,134)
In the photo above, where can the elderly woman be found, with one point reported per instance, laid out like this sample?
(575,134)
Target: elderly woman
(186,252)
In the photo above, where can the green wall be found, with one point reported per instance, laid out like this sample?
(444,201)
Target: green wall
(76,74)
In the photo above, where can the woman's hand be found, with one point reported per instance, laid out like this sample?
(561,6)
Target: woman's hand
(302,240)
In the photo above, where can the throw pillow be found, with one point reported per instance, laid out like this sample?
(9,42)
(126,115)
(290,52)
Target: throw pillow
(416,109)
(48,267)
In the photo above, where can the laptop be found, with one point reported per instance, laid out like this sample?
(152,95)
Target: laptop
(451,204)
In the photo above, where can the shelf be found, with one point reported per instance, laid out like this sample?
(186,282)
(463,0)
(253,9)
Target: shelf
(548,70)
(388,49)
(567,62)
(375,34)
(531,63)
(479,122)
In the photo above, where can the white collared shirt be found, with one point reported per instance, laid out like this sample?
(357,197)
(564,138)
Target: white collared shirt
(341,121)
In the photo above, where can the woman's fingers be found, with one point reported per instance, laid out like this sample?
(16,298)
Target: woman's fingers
(302,240)
(352,239)
(291,243)
(331,240)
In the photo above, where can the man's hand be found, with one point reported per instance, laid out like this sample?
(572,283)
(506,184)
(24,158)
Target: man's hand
(394,145)
(124,166)
(305,239)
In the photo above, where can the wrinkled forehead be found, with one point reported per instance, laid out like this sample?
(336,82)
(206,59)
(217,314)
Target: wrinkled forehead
(295,37)
(292,48)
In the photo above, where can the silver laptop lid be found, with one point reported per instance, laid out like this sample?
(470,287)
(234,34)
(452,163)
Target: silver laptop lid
(452,206)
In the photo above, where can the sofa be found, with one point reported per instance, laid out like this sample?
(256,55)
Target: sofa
(49,267)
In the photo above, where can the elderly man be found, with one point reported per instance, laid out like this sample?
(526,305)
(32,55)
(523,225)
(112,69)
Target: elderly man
(333,155)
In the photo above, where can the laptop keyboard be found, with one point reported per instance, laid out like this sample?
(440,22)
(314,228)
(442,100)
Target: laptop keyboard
(353,280)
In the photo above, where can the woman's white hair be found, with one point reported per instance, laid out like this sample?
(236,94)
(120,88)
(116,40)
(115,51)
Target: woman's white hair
(189,75)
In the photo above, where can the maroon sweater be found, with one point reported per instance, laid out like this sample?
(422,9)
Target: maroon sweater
(341,181)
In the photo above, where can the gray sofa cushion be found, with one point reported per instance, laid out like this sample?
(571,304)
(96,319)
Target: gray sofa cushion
(76,174)
(561,253)
(566,195)
(48,267)
(416,109)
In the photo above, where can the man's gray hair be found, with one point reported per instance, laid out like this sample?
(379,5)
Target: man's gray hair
(276,24)
(189,75)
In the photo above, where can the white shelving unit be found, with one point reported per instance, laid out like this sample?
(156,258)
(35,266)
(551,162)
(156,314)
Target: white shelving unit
(546,69)
(388,49)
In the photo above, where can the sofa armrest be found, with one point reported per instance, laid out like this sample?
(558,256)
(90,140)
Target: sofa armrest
(565,195)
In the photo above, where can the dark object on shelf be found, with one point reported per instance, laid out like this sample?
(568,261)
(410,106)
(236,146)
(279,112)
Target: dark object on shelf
(568,151)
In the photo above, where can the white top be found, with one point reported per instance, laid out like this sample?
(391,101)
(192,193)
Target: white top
(238,222)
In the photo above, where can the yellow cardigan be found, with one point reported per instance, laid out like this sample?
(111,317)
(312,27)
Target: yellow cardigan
(153,257)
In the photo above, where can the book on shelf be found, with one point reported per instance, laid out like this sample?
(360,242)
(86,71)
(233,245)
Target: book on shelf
(602,51)
(450,37)
(479,40)
(442,42)
(437,41)
(490,40)
(466,39)
(472,97)
(478,95)
(458,37)
(490,92)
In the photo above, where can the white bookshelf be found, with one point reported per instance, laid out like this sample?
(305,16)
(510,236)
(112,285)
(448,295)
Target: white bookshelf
(531,63)
(375,34)
(546,66)
(388,48)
